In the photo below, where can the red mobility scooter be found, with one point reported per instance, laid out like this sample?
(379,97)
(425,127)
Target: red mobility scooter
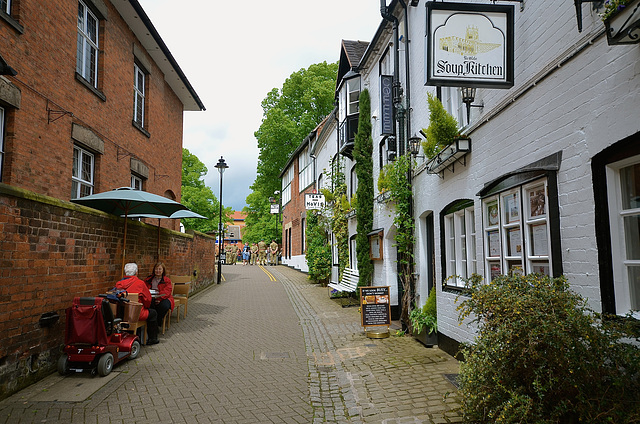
(94,339)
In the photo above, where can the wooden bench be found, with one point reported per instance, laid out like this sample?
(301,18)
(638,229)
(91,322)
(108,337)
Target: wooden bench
(348,284)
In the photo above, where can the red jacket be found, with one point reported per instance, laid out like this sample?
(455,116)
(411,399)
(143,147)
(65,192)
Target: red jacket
(164,288)
(135,285)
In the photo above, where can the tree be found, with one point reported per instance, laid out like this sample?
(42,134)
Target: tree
(362,153)
(289,115)
(199,197)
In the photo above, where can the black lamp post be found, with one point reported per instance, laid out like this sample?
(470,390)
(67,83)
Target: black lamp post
(221,165)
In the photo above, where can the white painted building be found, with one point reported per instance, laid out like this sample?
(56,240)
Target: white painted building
(552,180)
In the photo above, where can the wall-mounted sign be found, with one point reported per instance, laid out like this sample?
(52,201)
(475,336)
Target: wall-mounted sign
(374,306)
(386,104)
(375,244)
(469,45)
(275,208)
(314,201)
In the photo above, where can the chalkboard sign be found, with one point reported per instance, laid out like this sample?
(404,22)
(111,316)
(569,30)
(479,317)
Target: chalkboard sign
(375,308)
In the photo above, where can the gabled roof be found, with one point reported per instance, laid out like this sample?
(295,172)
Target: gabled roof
(351,53)
(141,25)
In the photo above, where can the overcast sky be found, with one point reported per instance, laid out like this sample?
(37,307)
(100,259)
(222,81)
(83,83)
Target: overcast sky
(234,53)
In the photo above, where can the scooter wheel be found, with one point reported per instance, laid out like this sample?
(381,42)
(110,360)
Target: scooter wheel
(63,365)
(105,364)
(135,350)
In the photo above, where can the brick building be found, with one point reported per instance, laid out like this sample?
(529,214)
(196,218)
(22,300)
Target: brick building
(91,99)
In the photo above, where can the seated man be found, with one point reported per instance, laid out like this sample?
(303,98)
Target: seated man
(132,284)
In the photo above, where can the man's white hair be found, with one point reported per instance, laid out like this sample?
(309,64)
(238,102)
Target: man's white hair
(130,269)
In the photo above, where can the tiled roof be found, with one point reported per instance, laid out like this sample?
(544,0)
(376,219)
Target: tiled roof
(354,51)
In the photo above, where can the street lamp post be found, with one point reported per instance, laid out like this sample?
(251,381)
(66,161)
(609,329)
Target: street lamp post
(221,165)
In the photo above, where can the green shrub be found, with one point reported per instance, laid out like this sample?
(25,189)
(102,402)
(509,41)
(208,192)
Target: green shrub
(542,356)
(442,129)
(425,317)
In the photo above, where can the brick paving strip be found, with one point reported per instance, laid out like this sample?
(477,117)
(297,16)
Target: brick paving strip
(356,379)
(256,351)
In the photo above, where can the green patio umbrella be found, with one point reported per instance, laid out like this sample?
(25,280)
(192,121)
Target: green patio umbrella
(125,201)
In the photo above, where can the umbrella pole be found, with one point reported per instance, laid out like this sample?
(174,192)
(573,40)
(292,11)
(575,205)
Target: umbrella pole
(158,250)
(124,246)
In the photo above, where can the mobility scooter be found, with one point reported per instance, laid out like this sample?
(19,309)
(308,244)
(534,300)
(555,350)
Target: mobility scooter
(94,338)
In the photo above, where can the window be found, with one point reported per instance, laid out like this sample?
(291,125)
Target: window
(82,175)
(452,102)
(87,54)
(516,231)
(353,96)
(305,170)
(5,6)
(353,182)
(459,243)
(303,228)
(138,95)
(623,187)
(136,182)
(286,186)
(1,141)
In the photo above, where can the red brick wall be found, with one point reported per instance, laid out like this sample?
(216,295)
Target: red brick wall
(51,251)
(292,214)
(39,153)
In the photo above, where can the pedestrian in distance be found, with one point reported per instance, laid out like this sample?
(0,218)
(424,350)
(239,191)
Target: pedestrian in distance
(254,253)
(262,252)
(246,254)
(273,249)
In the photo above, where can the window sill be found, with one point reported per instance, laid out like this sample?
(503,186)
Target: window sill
(454,289)
(94,90)
(141,129)
(9,19)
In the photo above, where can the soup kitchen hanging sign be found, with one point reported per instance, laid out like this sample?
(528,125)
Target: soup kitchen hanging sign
(469,45)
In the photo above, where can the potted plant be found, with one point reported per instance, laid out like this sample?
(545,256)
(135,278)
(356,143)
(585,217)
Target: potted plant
(622,20)
(424,321)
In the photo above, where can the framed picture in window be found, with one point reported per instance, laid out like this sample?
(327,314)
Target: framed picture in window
(512,208)
(539,242)
(492,213)
(540,268)
(494,269)
(494,243)
(515,242)
(537,202)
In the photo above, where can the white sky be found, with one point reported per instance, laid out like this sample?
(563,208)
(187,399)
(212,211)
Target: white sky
(234,53)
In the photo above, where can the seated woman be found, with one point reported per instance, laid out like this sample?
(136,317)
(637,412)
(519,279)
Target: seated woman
(159,281)
(132,284)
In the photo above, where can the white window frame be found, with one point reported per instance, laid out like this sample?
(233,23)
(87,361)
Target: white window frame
(286,186)
(1,141)
(460,246)
(6,6)
(136,182)
(353,96)
(305,170)
(78,179)
(516,233)
(139,84)
(87,47)
(622,264)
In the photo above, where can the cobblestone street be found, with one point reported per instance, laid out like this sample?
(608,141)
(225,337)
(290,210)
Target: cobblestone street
(264,346)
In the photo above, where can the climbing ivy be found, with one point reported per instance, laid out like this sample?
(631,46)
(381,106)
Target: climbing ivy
(336,198)
(399,188)
(318,248)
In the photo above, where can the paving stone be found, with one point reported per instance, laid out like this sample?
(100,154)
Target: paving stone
(254,350)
